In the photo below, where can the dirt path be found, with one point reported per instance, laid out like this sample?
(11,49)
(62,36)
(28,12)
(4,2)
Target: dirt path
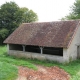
(43,73)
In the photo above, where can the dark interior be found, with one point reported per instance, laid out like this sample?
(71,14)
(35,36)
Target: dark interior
(36,49)
(53,51)
(15,47)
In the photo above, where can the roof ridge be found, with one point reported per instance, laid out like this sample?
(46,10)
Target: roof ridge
(53,21)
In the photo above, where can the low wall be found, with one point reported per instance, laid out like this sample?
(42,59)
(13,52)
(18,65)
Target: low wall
(39,56)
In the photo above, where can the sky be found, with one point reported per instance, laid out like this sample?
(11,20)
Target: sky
(47,10)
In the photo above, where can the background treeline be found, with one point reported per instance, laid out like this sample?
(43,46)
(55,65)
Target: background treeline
(74,11)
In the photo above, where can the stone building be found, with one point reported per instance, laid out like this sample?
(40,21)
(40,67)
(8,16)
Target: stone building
(58,41)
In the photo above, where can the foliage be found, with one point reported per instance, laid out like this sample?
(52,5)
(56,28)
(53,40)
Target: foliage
(11,16)
(75,11)
(3,34)
(28,15)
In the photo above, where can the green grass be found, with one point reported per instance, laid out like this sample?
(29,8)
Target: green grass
(7,71)
(73,68)
(4,57)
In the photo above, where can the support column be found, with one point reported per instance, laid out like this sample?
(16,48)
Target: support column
(8,48)
(65,55)
(23,47)
(41,48)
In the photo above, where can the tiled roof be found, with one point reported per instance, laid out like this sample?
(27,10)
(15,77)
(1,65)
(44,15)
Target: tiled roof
(49,34)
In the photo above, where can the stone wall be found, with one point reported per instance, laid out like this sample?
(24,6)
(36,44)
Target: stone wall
(21,54)
(72,51)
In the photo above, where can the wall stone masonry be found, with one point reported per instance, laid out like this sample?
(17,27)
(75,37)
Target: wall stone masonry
(21,54)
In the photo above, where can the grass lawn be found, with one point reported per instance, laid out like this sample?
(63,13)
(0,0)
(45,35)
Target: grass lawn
(8,71)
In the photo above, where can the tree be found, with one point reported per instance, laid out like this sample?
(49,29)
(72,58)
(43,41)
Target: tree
(11,16)
(3,34)
(28,15)
(75,11)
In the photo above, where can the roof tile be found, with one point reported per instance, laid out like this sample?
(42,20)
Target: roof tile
(50,34)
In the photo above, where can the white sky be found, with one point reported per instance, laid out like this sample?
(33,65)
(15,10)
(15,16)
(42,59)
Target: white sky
(47,10)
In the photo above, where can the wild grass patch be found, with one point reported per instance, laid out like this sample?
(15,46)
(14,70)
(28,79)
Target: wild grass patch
(8,71)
